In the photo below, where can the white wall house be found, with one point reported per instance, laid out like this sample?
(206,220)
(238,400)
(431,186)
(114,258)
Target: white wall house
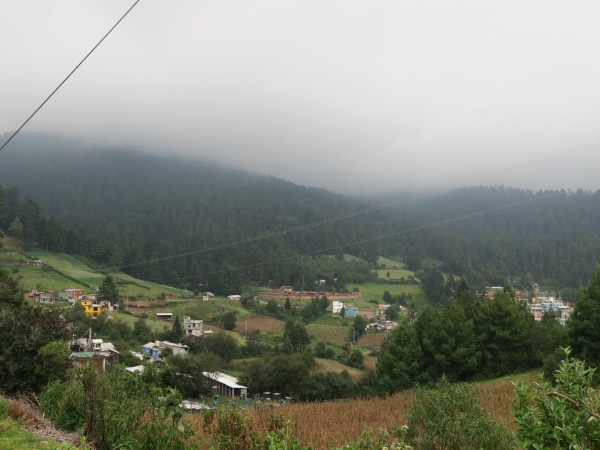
(337,307)
(192,327)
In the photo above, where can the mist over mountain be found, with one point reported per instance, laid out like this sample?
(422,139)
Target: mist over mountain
(138,211)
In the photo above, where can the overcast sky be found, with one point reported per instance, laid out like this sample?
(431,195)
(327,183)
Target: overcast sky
(354,96)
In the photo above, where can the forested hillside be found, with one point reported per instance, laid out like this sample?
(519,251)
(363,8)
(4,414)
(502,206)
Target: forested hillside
(550,237)
(127,209)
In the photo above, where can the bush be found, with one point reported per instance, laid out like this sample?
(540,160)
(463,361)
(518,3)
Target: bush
(566,415)
(63,403)
(118,410)
(450,417)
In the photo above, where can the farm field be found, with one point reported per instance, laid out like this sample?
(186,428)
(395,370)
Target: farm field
(331,424)
(328,365)
(334,335)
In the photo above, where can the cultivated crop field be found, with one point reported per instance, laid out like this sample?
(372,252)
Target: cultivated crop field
(328,425)
(329,365)
(335,335)
(260,323)
(372,339)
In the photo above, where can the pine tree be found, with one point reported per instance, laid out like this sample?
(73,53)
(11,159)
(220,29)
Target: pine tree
(584,326)
(108,291)
(9,290)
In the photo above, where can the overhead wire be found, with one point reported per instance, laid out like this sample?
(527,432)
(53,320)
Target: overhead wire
(355,213)
(343,216)
(68,76)
(365,241)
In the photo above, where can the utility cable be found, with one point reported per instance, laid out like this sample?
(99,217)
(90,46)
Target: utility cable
(68,76)
(364,241)
(524,166)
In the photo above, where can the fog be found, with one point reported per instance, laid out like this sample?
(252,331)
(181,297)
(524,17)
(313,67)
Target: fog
(357,97)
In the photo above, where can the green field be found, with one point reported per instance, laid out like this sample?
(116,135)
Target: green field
(396,269)
(374,292)
(62,271)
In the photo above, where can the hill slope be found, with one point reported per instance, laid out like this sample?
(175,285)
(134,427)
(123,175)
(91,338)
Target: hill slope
(137,211)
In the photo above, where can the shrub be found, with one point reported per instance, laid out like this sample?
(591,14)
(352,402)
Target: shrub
(566,415)
(63,403)
(450,417)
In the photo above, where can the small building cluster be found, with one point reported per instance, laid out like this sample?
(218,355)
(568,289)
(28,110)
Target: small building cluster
(86,351)
(542,305)
(91,306)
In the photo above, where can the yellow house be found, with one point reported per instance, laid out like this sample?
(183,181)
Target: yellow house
(93,309)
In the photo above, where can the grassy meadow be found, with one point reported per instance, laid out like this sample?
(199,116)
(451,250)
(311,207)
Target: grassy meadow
(396,269)
(62,271)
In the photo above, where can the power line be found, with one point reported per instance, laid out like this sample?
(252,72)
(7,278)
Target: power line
(365,241)
(68,76)
(524,166)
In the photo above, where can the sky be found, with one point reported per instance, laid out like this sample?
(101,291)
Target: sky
(357,97)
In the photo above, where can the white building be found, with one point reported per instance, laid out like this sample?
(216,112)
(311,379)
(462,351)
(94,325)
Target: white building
(337,307)
(192,327)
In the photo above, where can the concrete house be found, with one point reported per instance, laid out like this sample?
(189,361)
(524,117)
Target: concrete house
(71,295)
(153,350)
(192,327)
(46,297)
(336,307)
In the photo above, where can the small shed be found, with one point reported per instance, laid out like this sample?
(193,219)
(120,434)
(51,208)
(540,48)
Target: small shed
(226,385)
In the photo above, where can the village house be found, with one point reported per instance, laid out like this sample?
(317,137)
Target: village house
(351,311)
(192,327)
(226,385)
(93,310)
(96,352)
(153,350)
(234,297)
(336,307)
(71,295)
(45,298)
(32,262)
(381,309)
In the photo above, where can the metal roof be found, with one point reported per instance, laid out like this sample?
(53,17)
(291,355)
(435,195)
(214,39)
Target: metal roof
(222,378)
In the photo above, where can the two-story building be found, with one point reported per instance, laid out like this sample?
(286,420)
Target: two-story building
(192,327)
